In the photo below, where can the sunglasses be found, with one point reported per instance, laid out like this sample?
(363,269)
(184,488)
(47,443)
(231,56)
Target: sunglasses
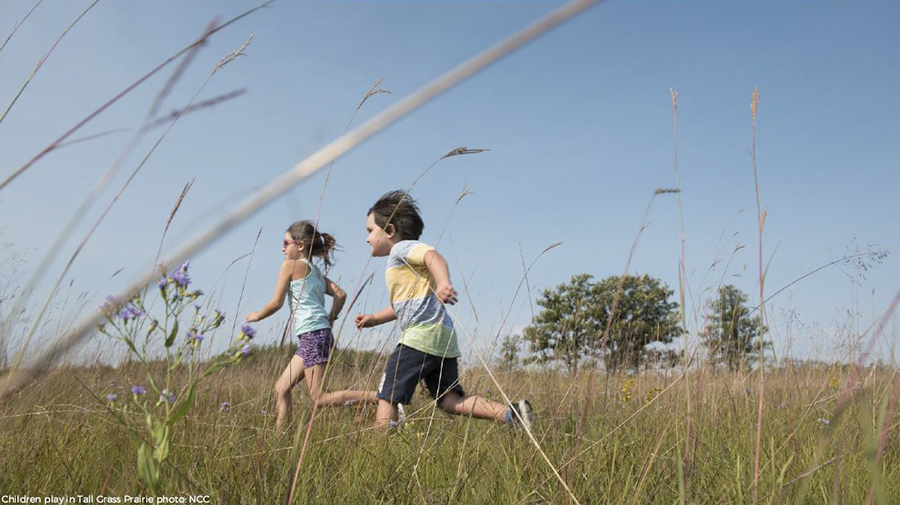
(289,242)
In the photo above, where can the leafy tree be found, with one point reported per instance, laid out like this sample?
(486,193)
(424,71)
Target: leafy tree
(569,322)
(509,351)
(733,334)
(644,314)
(575,316)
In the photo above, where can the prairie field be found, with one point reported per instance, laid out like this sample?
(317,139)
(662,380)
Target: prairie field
(651,437)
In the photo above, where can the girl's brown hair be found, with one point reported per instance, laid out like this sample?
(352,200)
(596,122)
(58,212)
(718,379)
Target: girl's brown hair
(321,245)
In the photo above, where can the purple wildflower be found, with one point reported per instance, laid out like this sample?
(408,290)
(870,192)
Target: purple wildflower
(181,276)
(167,396)
(138,390)
(130,312)
(197,293)
(195,335)
(245,350)
(111,397)
(163,283)
(248,330)
(823,422)
(225,406)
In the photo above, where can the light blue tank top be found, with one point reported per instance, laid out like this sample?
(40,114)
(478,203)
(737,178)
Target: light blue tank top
(307,299)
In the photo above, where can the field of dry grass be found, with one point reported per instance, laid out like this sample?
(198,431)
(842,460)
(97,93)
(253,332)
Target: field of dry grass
(629,445)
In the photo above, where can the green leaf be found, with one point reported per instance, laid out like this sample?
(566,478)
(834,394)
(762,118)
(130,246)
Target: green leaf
(158,431)
(215,368)
(179,411)
(172,334)
(162,447)
(130,345)
(147,468)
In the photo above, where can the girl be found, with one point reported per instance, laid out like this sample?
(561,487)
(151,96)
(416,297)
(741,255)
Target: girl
(309,320)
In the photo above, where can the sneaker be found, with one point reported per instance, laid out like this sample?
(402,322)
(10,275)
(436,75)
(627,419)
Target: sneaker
(522,415)
(401,413)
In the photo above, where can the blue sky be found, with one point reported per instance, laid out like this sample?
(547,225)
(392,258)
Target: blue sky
(578,123)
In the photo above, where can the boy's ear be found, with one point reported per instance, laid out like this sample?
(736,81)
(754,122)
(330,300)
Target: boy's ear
(390,229)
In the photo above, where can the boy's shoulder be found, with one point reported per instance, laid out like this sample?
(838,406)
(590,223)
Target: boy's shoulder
(408,252)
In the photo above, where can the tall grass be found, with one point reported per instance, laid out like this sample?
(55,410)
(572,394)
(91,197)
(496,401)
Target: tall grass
(57,439)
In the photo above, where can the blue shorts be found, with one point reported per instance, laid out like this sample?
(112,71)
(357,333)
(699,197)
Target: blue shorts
(407,366)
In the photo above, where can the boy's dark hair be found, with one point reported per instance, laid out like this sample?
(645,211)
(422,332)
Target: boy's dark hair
(398,209)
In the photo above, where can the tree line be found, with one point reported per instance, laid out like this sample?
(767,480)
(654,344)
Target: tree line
(627,322)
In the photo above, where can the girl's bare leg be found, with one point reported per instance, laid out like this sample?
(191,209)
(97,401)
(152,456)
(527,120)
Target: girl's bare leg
(314,376)
(292,374)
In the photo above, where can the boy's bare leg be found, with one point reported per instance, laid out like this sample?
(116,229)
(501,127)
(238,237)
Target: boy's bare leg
(314,382)
(475,406)
(386,413)
(347,395)
(292,374)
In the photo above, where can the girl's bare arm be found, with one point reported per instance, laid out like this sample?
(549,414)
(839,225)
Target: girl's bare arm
(340,297)
(281,289)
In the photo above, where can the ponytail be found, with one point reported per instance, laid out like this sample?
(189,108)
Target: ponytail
(323,246)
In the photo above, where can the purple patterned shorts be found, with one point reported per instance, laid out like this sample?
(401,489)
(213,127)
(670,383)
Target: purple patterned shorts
(315,346)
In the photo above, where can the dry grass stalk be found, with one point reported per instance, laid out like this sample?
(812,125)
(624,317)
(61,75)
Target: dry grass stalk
(374,90)
(44,58)
(233,55)
(465,193)
(180,69)
(18,24)
(682,288)
(184,192)
(53,145)
(99,187)
(105,179)
(463,150)
(194,107)
(91,137)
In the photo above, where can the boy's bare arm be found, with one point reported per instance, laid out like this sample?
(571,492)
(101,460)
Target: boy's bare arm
(368,320)
(437,267)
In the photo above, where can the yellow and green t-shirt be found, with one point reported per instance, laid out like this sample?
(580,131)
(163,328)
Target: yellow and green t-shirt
(423,320)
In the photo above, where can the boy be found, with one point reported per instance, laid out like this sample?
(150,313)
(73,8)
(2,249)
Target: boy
(418,282)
